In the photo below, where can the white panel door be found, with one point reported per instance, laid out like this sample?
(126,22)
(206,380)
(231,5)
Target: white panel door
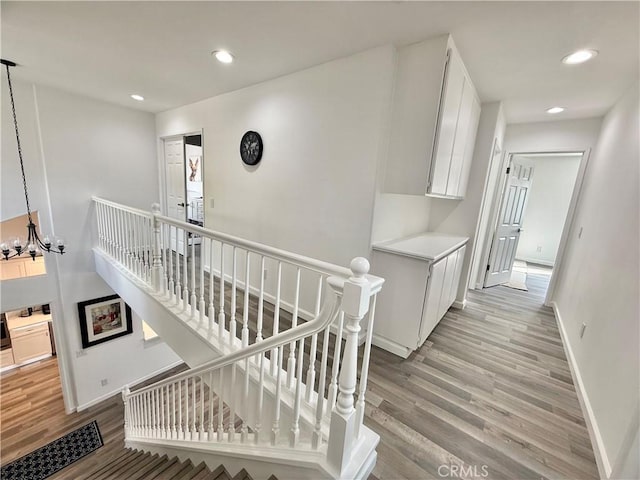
(505,240)
(447,124)
(176,187)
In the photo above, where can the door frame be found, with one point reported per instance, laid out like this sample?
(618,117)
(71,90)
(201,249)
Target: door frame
(568,223)
(162,169)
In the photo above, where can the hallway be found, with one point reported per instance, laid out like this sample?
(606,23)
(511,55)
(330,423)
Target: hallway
(490,389)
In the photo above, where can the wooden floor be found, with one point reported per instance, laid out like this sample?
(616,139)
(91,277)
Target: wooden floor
(490,391)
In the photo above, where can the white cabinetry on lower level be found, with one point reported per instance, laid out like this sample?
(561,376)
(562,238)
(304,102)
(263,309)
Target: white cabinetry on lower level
(422,277)
(30,342)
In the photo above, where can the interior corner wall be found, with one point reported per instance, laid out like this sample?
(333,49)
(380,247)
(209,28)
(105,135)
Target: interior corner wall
(598,285)
(553,183)
(554,136)
(461,217)
(313,191)
(75,147)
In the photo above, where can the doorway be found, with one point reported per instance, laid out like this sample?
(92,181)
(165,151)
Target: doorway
(532,218)
(184,183)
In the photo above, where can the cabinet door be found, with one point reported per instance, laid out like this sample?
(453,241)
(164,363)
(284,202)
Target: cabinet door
(30,343)
(447,286)
(11,269)
(432,299)
(469,146)
(456,276)
(461,138)
(447,124)
(34,267)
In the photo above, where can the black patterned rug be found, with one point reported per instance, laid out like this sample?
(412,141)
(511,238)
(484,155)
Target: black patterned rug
(53,457)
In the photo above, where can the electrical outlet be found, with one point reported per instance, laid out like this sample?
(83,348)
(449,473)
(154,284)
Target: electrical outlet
(539,248)
(582,329)
(104,382)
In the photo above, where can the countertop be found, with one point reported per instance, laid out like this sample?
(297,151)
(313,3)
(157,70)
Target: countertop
(14,322)
(426,246)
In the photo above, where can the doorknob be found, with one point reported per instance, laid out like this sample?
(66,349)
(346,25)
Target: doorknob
(181,204)
(520,230)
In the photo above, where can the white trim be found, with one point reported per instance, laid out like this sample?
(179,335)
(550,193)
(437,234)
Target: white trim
(460,305)
(536,260)
(391,346)
(602,460)
(118,391)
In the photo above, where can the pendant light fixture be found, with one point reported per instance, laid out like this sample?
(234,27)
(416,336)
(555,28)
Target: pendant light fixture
(33,243)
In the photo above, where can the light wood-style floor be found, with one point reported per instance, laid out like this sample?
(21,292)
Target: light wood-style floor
(490,390)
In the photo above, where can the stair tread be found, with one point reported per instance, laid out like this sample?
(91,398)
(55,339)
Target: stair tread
(142,473)
(119,457)
(159,471)
(174,469)
(195,471)
(115,468)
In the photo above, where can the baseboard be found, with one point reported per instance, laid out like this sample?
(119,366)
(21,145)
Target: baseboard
(460,305)
(602,460)
(118,391)
(536,261)
(391,346)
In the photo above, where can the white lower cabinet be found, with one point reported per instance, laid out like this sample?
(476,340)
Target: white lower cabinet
(30,342)
(417,294)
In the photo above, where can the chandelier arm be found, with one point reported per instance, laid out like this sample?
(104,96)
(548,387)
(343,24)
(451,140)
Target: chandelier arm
(15,123)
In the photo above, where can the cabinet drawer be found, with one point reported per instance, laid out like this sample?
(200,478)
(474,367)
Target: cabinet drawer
(31,345)
(28,330)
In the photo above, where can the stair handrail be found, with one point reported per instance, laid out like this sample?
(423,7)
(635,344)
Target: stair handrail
(328,313)
(318,266)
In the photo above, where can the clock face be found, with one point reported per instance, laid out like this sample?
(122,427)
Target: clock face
(251,148)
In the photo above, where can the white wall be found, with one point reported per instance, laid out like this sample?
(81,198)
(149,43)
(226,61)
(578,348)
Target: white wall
(553,180)
(313,191)
(554,136)
(76,147)
(599,284)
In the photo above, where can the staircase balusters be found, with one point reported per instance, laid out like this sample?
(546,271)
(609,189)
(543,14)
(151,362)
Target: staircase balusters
(221,315)
(185,270)
(291,363)
(232,404)
(364,373)
(211,406)
(261,301)
(194,412)
(178,284)
(202,405)
(180,430)
(260,401)
(247,295)
(194,298)
(311,369)
(317,434)
(201,301)
(220,405)
(245,402)
(276,321)
(295,426)
(333,387)
(163,259)
(211,312)
(275,432)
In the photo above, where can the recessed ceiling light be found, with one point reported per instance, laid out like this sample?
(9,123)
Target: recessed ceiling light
(555,110)
(223,56)
(137,97)
(580,56)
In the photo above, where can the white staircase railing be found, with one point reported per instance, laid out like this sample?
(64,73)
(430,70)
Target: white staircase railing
(294,312)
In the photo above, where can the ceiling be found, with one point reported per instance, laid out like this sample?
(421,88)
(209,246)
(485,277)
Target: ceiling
(161,50)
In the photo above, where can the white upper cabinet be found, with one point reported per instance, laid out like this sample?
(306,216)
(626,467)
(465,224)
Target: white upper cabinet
(434,121)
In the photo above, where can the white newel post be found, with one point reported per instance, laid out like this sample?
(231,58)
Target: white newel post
(156,266)
(127,413)
(355,303)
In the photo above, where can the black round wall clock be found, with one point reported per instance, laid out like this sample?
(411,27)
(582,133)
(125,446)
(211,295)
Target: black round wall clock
(251,148)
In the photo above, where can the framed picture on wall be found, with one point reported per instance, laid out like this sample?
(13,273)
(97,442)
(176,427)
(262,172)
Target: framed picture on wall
(103,319)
